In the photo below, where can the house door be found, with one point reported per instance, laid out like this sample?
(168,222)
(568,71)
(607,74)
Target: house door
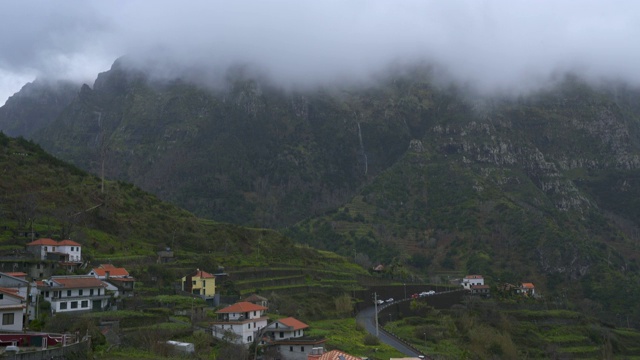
(97,305)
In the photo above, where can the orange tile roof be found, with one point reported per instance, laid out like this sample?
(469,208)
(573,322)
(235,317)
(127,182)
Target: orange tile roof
(113,271)
(528,286)
(68,243)
(294,323)
(336,355)
(241,307)
(43,241)
(78,282)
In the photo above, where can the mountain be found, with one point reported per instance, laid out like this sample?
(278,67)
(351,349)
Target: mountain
(420,175)
(35,106)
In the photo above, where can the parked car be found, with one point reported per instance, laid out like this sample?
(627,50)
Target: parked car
(424,293)
(415,296)
(432,292)
(380,302)
(390,300)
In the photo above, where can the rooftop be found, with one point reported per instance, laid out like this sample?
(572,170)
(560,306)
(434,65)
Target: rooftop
(241,307)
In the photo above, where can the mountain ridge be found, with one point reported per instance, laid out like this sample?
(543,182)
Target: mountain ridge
(403,171)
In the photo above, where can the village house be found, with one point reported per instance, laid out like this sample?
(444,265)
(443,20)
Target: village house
(287,336)
(63,251)
(12,310)
(239,323)
(200,283)
(117,279)
(471,280)
(74,293)
(527,289)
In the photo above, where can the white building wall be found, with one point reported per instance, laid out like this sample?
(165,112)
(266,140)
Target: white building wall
(17,320)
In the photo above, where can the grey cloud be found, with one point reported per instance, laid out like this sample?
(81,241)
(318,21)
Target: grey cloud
(493,44)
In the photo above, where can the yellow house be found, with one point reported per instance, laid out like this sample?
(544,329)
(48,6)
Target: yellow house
(200,283)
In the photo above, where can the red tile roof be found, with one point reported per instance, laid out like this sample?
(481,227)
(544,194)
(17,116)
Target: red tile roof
(17,274)
(241,307)
(203,274)
(11,291)
(528,286)
(43,241)
(68,243)
(78,282)
(294,323)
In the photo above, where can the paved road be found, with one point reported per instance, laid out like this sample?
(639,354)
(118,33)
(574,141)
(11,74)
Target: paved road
(367,318)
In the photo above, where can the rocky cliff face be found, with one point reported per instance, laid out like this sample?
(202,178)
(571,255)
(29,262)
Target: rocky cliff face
(402,171)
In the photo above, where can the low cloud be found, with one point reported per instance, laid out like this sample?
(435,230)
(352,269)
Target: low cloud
(491,44)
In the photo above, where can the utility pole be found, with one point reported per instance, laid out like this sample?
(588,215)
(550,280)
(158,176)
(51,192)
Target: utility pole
(375,302)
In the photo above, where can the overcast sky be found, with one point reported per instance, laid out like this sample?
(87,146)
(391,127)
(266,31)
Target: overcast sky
(494,44)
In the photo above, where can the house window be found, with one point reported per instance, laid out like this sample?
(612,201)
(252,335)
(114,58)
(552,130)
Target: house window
(46,294)
(254,325)
(290,348)
(281,334)
(80,292)
(254,313)
(249,338)
(84,304)
(277,325)
(194,282)
(249,326)
(45,248)
(74,304)
(1,296)
(302,348)
(68,292)
(91,292)
(63,305)
(7,319)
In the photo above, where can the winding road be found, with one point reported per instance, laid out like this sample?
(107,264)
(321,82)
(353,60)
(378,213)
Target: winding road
(367,318)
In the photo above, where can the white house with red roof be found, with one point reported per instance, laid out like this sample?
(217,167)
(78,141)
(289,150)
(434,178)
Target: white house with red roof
(106,271)
(74,293)
(287,336)
(117,279)
(471,280)
(12,310)
(49,249)
(527,289)
(284,329)
(240,322)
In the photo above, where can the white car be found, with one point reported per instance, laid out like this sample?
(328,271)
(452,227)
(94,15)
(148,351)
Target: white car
(432,292)
(424,293)
(380,302)
(390,300)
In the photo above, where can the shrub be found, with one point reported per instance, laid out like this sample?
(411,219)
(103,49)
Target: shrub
(371,340)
